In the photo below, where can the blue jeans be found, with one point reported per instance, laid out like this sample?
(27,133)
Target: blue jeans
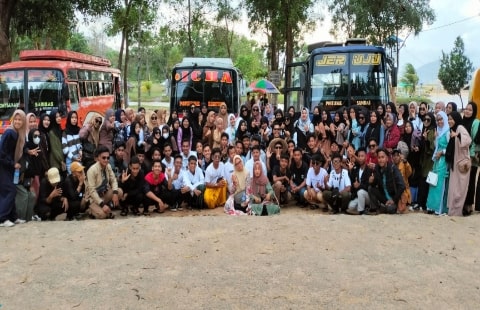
(300,194)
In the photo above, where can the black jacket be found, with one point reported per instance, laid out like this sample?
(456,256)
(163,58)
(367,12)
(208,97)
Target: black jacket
(394,181)
(355,175)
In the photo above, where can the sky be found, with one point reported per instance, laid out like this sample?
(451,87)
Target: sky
(453,18)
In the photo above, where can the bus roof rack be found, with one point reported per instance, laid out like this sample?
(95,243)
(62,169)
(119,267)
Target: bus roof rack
(64,55)
(199,61)
(313,46)
(356,41)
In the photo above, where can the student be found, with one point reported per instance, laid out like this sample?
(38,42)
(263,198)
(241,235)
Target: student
(132,183)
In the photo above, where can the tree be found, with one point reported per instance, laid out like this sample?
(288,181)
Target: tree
(455,69)
(410,78)
(379,19)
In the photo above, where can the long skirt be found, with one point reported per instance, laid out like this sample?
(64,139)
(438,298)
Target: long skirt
(215,197)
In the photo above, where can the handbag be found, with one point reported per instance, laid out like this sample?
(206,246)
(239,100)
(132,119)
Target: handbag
(464,165)
(432,178)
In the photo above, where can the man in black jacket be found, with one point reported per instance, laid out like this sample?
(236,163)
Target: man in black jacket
(386,185)
(359,176)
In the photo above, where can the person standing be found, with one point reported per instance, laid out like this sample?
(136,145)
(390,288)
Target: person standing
(457,156)
(437,195)
(11,150)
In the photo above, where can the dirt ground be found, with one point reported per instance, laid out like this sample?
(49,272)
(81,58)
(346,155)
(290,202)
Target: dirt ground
(301,259)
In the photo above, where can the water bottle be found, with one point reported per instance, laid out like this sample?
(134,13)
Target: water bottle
(16,176)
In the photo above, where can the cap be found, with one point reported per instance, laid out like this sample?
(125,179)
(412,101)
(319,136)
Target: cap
(53,175)
(76,167)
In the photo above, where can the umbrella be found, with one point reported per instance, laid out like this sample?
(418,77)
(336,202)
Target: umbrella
(264,86)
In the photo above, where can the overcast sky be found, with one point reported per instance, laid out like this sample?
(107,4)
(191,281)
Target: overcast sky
(453,18)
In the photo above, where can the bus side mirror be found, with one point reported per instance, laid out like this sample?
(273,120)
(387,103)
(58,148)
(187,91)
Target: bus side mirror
(394,76)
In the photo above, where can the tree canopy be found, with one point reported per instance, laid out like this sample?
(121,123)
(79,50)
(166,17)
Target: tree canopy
(455,69)
(410,78)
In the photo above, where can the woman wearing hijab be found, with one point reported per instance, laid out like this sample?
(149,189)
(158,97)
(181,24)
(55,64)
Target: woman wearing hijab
(392,133)
(259,189)
(458,159)
(402,117)
(243,116)
(185,132)
(242,130)
(90,137)
(43,128)
(238,189)
(269,113)
(223,113)
(133,143)
(470,122)
(230,129)
(427,147)
(437,195)
(375,129)
(302,127)
(197,129)
(72,146)
(107,130)
(11,151)
(56,159)
(451,106)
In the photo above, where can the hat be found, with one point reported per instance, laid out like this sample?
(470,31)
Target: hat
(76,167)
(276,141)
(402,147)
(53,175)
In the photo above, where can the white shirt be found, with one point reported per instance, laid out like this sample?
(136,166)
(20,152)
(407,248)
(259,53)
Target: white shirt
(179,182)
(316,181)
(185,159)
(212,175)
(249,167)
(228,171)
(194,180)
(340,180)
(168,164)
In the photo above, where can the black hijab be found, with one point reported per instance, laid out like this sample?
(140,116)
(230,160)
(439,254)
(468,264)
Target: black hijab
(69,128)
(467,122)
(450,151)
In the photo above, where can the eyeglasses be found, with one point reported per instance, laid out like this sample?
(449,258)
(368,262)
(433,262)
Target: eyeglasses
(36,136)
(278,147)
(157,133)
(422,109)
(372,145)
(336,161)
(256,110)
(315,163)
(427,119)
(361,117)
(244,111)
(105,157)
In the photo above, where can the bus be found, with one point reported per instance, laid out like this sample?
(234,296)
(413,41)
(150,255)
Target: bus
(337,75)
(474,94)
(46,80)
(212,81)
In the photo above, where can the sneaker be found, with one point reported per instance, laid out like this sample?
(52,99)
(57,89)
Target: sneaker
(352,211)
(179,208)
(36,218)
(7,223)
(20,221)
(173,208)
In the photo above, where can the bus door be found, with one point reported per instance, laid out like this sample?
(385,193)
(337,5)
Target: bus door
(294,91)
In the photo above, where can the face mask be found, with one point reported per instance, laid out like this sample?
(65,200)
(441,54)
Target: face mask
(36,140)
(165,135)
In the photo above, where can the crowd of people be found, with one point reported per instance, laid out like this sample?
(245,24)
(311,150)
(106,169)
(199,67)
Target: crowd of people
(354,161)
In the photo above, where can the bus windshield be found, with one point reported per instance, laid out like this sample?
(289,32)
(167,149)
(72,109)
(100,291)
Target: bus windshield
(44,91)
(193,86)
(348,78)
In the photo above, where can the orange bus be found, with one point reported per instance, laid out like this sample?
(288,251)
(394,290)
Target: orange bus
(475,90)
(44,80)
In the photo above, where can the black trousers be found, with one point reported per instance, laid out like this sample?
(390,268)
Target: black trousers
(51,211)
(377,201)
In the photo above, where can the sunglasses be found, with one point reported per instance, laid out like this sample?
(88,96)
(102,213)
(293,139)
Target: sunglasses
(244,111)
(428,119)
(98,121)
(157,133)
(372,145)
(256,110)
(422,109)
(153,117)
(36,136)
(315,163)
(105,157)
(361,117)
(278,147)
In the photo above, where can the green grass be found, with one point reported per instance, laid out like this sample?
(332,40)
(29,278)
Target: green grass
(157,93)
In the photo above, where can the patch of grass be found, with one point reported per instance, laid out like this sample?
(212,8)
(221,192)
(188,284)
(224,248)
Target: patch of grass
(157,92)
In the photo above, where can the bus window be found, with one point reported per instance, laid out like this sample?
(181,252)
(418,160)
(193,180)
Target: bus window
(73,92)
(89,89)
(11,92)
